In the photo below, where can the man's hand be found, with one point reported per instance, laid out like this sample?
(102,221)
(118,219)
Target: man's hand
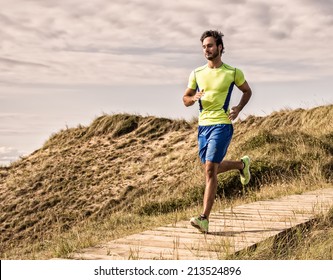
(247,92)
(234,113)
(191,96)
(198,95)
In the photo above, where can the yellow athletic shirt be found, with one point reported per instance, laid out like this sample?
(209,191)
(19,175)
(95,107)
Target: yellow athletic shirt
(218,84)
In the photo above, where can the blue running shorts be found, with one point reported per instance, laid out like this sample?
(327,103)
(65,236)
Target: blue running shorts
(214,141)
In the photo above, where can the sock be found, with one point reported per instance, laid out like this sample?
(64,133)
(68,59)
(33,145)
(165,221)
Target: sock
(241,170)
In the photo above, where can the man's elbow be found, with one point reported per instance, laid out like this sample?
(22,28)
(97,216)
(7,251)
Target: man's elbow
(186,102)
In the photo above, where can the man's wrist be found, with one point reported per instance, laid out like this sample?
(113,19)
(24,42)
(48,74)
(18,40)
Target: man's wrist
(240,107)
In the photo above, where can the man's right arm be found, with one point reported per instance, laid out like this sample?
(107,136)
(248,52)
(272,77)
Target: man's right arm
(191,96)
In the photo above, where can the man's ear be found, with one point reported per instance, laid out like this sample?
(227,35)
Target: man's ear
(220,48)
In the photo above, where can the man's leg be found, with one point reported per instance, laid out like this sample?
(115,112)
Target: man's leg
(243,166)
(213,146)
(211,169)
(228,165)
(201,222)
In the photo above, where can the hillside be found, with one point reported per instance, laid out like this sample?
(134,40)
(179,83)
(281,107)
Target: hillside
(149,166)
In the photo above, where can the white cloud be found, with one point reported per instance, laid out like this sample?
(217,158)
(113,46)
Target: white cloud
(8,155)
(149,42)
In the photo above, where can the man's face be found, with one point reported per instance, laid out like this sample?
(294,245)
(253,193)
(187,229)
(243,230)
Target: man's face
(211,51)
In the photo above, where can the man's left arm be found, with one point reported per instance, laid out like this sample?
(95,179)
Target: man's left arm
(247,92)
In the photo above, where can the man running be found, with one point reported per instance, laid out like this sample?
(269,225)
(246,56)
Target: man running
(211,85)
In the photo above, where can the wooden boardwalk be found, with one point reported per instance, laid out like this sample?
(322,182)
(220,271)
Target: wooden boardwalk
(230,231)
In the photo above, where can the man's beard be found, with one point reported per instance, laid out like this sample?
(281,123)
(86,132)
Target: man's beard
(213,55)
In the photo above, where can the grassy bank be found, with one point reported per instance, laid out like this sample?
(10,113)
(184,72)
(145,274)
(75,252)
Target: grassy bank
(125,173)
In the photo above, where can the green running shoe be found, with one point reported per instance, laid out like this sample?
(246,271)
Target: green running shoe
(245,174)
(200,223)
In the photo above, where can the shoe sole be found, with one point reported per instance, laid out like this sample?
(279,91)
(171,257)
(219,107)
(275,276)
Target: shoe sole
(248,167)
(198,227)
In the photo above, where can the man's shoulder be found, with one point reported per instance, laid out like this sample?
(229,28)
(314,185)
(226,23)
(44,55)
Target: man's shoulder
(233,70)
(200,68)
(229,67)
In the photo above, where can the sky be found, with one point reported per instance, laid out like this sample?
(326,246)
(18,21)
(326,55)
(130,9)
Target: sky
(63,63)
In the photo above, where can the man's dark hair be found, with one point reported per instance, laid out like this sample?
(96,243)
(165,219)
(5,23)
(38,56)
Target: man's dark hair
(217,35)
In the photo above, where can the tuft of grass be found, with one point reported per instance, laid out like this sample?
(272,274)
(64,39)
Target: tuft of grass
(115,125)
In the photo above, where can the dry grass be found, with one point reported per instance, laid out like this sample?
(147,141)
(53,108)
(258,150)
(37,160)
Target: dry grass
(126,173)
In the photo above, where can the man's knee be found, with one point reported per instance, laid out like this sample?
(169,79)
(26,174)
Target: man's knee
(211,169)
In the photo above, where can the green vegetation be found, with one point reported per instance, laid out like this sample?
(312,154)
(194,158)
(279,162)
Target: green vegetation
(127,173)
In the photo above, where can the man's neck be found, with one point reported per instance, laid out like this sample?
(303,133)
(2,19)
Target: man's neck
(215,63)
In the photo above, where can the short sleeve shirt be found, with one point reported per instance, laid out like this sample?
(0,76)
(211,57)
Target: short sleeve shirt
(218,84)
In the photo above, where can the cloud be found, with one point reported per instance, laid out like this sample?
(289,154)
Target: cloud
(8,155)
(13,62)
(149,42)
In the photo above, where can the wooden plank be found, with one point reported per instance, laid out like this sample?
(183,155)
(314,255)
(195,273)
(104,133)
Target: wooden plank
(123,251)
(242,237)
(153,252)
(283,206)
(260,216)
